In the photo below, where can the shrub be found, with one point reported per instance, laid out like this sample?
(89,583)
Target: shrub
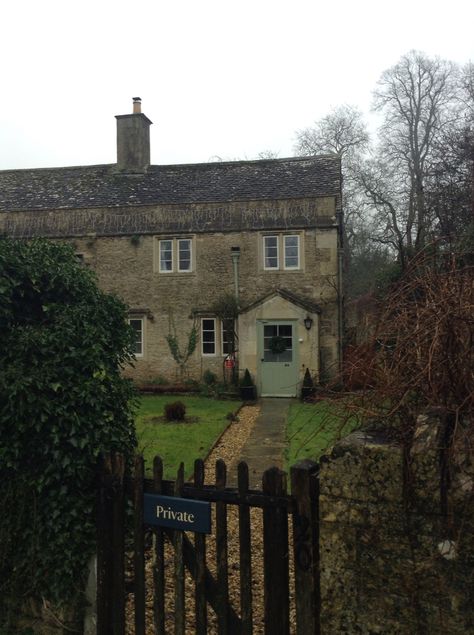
(159,380)
(63,402)
(209,378)
(175,411)
(307,390)
(246,379)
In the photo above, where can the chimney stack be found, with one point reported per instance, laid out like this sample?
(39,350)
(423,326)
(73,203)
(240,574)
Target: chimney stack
(137,105)
(133,140)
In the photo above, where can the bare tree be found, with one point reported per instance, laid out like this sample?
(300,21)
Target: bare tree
(467,86)
(342,131)
(267,154)
(419,102)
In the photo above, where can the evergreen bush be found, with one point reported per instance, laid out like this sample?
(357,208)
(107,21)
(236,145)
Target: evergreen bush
(63,401)
(209,378)
(175,411)
(307,390)
(246,380)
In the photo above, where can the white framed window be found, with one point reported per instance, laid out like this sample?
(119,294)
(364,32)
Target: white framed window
(166,256)
(270,252)
(174,255)
(208,336)
(137,326)
(281,252)
(184,254)
(291,251)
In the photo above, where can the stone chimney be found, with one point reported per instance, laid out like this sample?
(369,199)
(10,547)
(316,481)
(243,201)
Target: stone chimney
(133,140)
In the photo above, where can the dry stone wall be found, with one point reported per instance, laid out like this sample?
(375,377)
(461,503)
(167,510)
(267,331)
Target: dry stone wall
(392,559)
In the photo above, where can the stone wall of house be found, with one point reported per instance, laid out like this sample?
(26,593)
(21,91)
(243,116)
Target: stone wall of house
(121,245)
(129,267)
(396,556)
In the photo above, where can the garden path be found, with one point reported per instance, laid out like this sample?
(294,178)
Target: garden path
(267,441)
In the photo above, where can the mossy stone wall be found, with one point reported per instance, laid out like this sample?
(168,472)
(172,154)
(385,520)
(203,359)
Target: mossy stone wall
(392,559)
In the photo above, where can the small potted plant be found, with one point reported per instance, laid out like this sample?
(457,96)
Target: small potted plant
(248,391)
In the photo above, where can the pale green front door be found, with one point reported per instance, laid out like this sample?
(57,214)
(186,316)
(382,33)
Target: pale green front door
(277,354)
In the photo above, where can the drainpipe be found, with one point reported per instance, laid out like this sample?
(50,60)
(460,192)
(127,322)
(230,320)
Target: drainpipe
(235,255)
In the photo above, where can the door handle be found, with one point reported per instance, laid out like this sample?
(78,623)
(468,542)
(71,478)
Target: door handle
(262,360)
(286,364)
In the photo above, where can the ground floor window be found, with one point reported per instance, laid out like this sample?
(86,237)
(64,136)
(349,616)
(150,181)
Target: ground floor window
(217,336)
(137,326)
(208,336)
(228,337)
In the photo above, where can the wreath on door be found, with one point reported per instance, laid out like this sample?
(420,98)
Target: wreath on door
(277,345)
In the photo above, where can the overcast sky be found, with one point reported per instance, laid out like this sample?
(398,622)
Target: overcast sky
(222,78)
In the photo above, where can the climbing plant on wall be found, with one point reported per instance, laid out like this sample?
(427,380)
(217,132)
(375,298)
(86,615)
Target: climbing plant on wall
(181,355)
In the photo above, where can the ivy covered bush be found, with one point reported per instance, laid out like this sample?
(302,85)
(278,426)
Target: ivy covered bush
(63,401)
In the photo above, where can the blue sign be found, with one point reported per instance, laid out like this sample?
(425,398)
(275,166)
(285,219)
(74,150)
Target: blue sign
(177,513)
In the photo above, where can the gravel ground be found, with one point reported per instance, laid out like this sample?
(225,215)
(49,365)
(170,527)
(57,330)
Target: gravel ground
(229,449)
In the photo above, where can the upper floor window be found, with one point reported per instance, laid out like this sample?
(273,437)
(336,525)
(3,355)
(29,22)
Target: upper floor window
(184,254)
(166,255)
(175,255)
(281,251)
(270,247)
(291,249)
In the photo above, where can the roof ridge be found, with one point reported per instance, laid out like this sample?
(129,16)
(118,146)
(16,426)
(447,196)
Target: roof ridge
(310,157)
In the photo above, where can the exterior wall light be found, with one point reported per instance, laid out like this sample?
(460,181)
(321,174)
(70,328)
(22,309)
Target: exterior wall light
(308,322)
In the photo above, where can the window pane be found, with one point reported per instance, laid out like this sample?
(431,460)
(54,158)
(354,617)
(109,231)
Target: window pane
(291,245)
(184,255)
(227,336)
(166,255)
(270,252)
(268,356)
(137,326)
(284,331)
(208,336)
(270,330)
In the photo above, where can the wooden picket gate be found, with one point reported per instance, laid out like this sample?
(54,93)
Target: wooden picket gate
(122,532)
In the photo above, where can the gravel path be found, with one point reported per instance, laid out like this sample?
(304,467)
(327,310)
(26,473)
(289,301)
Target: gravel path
(229,449)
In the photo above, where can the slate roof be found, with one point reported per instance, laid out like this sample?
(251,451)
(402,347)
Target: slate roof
(103,186)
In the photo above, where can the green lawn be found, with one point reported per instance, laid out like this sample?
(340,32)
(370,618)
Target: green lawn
(312,428)
(176,442)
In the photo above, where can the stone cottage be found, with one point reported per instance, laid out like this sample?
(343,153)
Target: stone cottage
(171,240)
